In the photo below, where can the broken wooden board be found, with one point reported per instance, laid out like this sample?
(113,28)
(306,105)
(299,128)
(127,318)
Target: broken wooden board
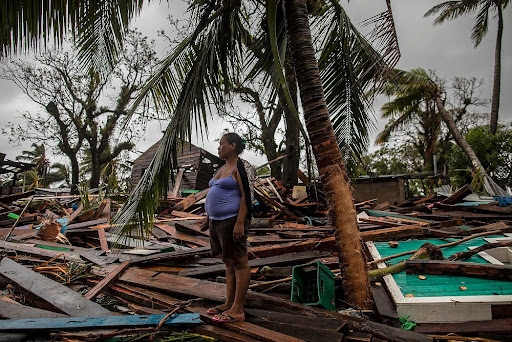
(60,296)
(458,195)
(18,311)
(190,200)
(91,294)
(188,238)
(393,233)
(299,330)
(466,269)
(190,227)
(88,322)
(174,255)
(284,259)
(40,252)
(221,334)
(502,326)
(324,323)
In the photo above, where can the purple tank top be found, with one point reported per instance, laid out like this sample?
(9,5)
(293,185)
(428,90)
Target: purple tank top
(223,199)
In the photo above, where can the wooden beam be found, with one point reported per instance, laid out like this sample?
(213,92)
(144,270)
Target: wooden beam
(458,195)
(502,326)
(103,239)
(190,200)
(284,259)
(467,269)
(88,322)
(177,182)
(394,233)
(17,311)
(60,296)
(40,252)
(112,276)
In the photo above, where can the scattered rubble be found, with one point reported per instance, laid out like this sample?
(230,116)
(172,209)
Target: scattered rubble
(65,274)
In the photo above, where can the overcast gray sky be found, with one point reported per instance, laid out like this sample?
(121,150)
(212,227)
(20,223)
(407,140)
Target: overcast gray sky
(446,48)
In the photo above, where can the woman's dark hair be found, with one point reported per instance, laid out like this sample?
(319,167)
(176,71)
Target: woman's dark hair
(235,138)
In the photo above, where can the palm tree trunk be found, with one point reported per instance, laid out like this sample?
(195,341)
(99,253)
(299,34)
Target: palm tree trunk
(328,158)
(496,88)
(291,163)
(459,139)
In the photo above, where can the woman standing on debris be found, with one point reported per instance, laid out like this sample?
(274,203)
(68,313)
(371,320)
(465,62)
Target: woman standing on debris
(228,206)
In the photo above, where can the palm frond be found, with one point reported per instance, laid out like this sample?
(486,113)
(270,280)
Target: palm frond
(98,25)
(349,66)
(481,25)
(450,10)
(195,73)
(385,36)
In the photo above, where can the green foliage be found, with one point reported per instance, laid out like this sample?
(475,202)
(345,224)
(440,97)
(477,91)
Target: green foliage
(494,152)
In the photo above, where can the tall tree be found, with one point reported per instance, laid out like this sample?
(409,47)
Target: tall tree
(328,156)
(454,9)
(79,116)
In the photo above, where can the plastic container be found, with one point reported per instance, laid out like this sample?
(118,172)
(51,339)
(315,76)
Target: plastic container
(313,284)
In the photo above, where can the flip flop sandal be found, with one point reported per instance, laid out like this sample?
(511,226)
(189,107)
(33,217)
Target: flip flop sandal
(227,318)
(214,311)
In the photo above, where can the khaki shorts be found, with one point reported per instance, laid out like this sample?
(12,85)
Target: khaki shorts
(222,242)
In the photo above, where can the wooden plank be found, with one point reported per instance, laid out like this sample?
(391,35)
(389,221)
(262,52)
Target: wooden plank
(159,234)
(60,296)
(87,223)
(502,326)
(17,311)
(467,269)
(221,334)
(190,200)
(301,257)
(383,302)
(302,331)
(393,233)
(177,183)
(184,214)
(40,252)
(88,322)
(274,190)
(191,227)
(175,255)
(196,240)
(103,239)
(281,317)
(95,291)
(458,195)
(292,247)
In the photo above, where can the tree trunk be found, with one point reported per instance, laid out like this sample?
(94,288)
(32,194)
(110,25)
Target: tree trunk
(496,88)
(459,139)
(75,171)
(291,162)
(328,158)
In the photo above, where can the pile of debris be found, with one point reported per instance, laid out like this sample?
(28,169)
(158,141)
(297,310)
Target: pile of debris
(60,261)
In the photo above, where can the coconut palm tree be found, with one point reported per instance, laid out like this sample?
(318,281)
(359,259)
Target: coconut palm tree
(194,77)
(449,10)
(38,157)
(418,79)
(414,107)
